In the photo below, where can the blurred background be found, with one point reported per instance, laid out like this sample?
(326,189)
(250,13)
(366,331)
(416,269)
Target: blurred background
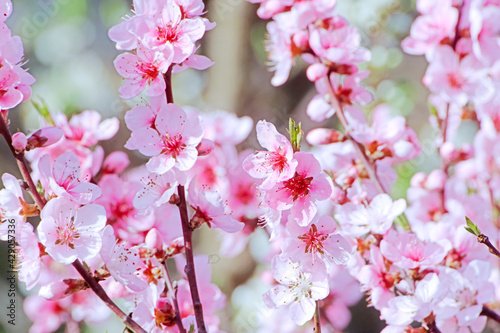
(69,53)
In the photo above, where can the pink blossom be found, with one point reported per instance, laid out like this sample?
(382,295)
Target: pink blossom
(11,197)
(408,252)
(63,179)
(377,279)
(69,232)
(117,198)
(316,244)
(301,193)
(19,142)
(276,165)
(121,262)
(209,208)
(430,30)
(28,256)
(484,30)
(166,27)
(86,128)
(44,137)
(458,80)
(5,9)
(403,310)
(173,141)
(338,44)
(157,189)
(296,288)
(375,217)
(143,68)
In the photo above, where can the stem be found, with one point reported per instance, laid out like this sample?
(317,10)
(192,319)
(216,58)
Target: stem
(96,287)
(186,231)
(369,166)
(189,268)
(21,163)
(433,328)
(173,295)
(317,323)
(168,85)
(490,314)
(486,241)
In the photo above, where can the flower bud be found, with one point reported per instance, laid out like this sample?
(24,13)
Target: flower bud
(19,142)
(44,137)
(316,72)
(205,147)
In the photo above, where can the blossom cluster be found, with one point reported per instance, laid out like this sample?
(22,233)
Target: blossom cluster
(108,231)
(416,264)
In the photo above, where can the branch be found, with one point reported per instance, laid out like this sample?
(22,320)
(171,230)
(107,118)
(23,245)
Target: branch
(490,314)
(173,295)
(369,166)
(433,328)
(187,231)
(317,321)
(486,241)
(22,164)
(96,287)
(189,268)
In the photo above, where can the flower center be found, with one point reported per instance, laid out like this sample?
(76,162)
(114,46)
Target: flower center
(173,145)
(277,160)
(67,235)
(166,33)
(149,71)
(298,186)
(314,240)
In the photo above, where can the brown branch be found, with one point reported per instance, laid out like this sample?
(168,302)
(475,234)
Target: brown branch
(168,85)
(370,167)
(96,287)
(433,328)
(490,314)
(173,296)
(189,268)
(486,241)
(93,284)
(22,164)
(187,231)
(317,321)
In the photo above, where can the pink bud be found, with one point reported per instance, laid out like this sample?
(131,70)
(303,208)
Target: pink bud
(115,163)
(316,72)
(153,240)
(448,151)
(301,39)
(205,147)
(418,180)
(324,136)
(436,180)
(19,142)
(44,137)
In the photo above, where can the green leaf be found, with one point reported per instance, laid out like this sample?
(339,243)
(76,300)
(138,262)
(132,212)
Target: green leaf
(296,134)
(43,110)
(471,227)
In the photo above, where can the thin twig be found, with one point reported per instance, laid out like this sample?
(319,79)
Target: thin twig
(189,268)
(490,314)
(486,241)
(93,284)
(317,321)
(22,164)
(173,296)
(96,287)
(433,328)
(186,231)
(369,166)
